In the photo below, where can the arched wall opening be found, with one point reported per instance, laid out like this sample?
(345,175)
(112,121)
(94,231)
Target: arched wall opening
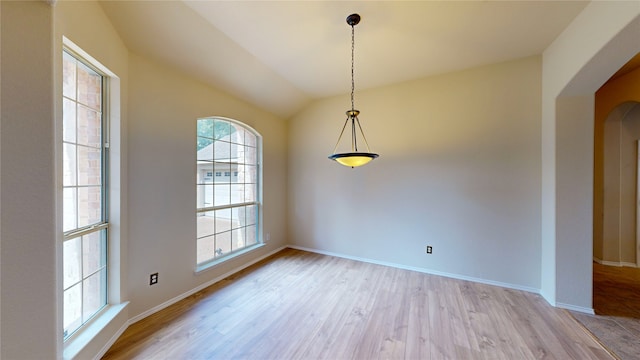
(573,70)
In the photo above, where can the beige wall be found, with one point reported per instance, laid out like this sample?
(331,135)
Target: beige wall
(164,106)
(617,128)
(28,242)
(459,170)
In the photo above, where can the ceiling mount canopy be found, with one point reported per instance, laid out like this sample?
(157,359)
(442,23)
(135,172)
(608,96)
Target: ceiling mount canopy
(355,157)
(353,19)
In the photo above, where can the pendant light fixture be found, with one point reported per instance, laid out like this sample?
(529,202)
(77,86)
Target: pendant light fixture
(355,157)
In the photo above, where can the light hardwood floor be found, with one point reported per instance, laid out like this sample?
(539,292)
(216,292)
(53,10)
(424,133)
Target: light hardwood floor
(616,291)
(616,301)
(301,305)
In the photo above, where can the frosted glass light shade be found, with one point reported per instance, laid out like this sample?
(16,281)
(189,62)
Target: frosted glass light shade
(353,159)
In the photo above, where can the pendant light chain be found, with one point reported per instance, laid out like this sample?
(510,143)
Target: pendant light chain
(353,84)
(355,157)
(354,141)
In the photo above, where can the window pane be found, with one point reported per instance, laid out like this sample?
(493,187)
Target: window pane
(237,135)
(89,205)
(205,249)
(250,140)
(93,294)
(68,120)
(249,173)
(72,304)
(237,193)
(250,191)
(89,127)
(223,243)
(235,153)
(71,258)
(205,224)
(222,151)
(89,87)
(239,217)
(222,194)
(250,155)
(68,76)
(93,252)
(223,220)
(251,235)
(205,128)
(239,155)
(221,129)
(69,213)
(205,149)
(235,217)
(204,173)
(204,196)
(69,174)
(241,169)
(251,214)
(89,166)
(237,239)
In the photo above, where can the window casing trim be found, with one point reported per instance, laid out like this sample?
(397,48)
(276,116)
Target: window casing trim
(100,328)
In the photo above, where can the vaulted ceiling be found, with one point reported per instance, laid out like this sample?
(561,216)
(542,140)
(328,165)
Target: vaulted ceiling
(279,55)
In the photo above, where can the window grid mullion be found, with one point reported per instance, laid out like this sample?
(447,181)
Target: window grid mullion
(101,227)
(75,171)
(74,284)
(230,156)
(95,272)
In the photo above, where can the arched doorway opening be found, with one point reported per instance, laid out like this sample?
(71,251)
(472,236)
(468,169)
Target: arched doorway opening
(568,171)
(616,245)
(616,240)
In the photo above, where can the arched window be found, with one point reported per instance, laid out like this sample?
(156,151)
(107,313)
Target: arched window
(228,182)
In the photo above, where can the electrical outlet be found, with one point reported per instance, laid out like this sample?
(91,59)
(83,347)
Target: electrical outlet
(153,279)
(267,237)
(429,249)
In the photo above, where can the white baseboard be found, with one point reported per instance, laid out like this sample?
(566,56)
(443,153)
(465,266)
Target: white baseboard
(112,341)
(174,300)
(576,308)
(615,263)
(422,270)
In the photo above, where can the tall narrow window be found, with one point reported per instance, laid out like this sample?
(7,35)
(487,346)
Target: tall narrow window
(228,204)
(84,196)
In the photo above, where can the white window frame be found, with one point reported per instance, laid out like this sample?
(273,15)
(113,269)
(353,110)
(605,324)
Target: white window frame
(258,202)
(96,332)
(102,226)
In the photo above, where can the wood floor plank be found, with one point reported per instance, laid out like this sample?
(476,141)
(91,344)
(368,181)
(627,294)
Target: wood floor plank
(418,331)
(616,301)
(300,305)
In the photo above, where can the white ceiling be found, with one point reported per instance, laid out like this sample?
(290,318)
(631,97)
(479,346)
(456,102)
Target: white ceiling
(279,55)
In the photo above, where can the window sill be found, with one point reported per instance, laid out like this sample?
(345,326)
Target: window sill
(212,264)
(79,341)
